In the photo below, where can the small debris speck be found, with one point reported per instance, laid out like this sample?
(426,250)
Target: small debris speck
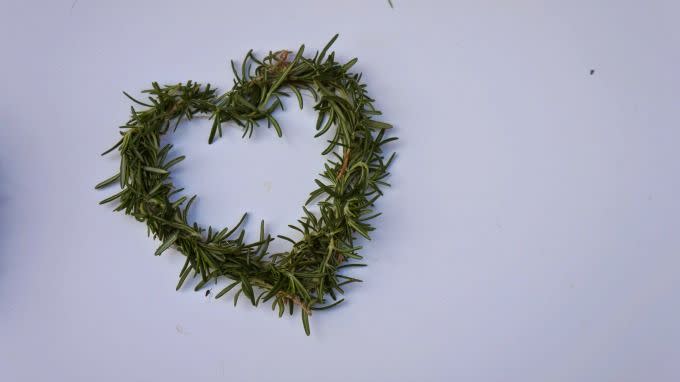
(207,293)
(592,71)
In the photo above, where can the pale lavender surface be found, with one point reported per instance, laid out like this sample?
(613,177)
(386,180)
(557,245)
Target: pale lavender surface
(532,233)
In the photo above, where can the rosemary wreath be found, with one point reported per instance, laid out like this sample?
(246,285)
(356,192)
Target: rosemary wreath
(308,276)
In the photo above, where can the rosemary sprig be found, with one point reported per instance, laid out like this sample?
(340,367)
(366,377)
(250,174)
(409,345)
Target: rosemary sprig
(308,275)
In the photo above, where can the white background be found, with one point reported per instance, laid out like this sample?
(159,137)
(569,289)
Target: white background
(531,233)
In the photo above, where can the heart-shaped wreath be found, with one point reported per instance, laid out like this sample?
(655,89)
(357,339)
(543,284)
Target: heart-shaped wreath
(310,273)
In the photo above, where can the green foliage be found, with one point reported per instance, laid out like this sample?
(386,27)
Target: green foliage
(308,276)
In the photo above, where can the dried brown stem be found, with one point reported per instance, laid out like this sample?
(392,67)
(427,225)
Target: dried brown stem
(345,163)
(296,300)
